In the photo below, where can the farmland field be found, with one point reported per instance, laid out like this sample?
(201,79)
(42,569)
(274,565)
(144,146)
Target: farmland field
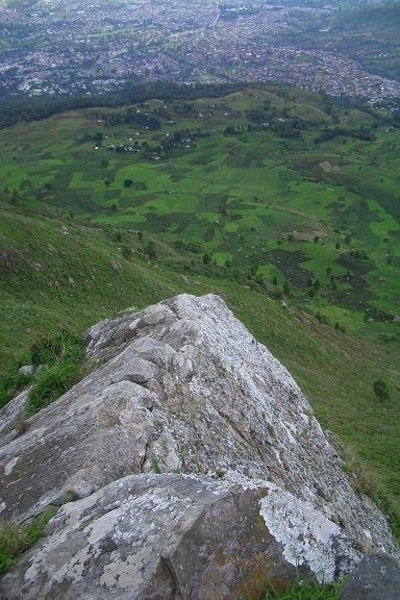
(280,186)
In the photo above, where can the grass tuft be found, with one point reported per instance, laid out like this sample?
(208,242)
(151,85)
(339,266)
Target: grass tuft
(16,538)
(10,383)
(61,358)
(307,590)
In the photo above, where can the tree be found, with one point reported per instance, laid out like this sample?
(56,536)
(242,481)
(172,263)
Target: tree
(126,252)
(98,137)
(206,258)
(380,390)
(151,251)
(286,287)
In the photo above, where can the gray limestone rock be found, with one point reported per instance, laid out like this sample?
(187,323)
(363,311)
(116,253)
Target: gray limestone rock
(377,577)
(166,537)
(13,412)
(28,370)
(183,387)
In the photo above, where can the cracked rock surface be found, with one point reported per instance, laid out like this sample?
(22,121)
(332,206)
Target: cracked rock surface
(183,389)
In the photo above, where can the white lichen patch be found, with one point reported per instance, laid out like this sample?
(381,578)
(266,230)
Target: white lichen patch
(247,483)
(63,558)
(104,526)
(128,573)
(307,537)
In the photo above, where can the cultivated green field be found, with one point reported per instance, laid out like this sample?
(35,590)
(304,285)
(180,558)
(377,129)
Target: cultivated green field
(276,199)
(282,185)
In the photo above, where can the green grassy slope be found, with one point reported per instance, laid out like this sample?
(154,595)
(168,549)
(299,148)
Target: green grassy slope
(54,275)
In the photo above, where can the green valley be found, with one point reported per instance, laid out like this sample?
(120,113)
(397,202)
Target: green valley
(283,202)
(277,186)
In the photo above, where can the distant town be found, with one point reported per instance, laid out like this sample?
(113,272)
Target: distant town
(76,46)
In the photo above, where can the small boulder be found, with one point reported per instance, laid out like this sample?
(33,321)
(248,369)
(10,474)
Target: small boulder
(27,370)
(116,267)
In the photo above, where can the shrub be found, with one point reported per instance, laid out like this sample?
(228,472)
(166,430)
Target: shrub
(47,350)
(380,390)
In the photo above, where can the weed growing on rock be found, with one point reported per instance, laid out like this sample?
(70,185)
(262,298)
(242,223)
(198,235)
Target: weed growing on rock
(155,466)
(62,359)
(21,427)
(16,538)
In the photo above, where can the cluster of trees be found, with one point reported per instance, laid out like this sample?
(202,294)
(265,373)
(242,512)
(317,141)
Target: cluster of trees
(231,13)
(280,121)
(361,133)
(194,247)
(136,185)
(132,116)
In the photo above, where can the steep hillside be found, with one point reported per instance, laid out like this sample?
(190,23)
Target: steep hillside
(55,275)
(47,283)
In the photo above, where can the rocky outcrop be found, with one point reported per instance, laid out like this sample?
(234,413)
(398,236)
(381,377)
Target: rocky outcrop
(157,536)
(182,389)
